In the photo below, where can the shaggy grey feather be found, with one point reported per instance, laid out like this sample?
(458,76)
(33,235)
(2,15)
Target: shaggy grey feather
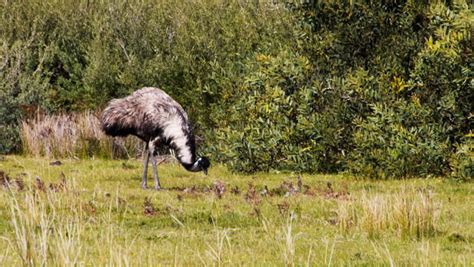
(156,118)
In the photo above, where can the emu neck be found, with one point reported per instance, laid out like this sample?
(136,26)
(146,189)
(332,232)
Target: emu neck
(179,135)
(184,147)
(193,167)
(186,156)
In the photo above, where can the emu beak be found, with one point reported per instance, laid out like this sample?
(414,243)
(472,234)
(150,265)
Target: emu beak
(205,171)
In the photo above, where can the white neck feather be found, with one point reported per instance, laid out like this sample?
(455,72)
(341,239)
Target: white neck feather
(174,132)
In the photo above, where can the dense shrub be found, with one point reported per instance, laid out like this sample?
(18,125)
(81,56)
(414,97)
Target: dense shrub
(385,91)
(262,130)
(9,134)
(462,162)
(416,126)
(399,141)
(74,56)
(381,89)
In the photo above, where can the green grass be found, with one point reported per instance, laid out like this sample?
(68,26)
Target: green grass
(103,217)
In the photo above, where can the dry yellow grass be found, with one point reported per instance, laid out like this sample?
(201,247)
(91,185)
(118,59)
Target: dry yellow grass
(408,213)
(74,135)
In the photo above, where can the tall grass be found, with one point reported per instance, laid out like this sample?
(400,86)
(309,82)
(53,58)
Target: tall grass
(290,241)
(53,228)
(408,213)
(216,251)
(41,234)
(74,135)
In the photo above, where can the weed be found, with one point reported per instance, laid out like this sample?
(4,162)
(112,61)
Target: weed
(235,190)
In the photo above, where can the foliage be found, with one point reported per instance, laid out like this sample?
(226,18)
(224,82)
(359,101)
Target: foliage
(268,100)
(78,55)
(462,162)
(382,89)
(9,134)
(400,108)
(399,141)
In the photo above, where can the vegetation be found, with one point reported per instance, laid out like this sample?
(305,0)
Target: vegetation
(74,135)
(278,91)
(93,212)
(379,89)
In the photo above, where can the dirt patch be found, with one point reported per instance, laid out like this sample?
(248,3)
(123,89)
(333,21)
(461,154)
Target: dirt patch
(218,188)
(252,196)
(61,185)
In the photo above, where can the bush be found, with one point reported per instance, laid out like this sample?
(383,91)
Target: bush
(260,132)
(76,56)
(462,162)
(8,126)
(399,141)
(380,89)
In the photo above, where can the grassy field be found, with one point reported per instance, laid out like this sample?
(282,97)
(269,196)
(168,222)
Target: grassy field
(93,212)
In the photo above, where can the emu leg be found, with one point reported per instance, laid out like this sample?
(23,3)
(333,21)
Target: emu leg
(153,154)
(146,157)
(155,172)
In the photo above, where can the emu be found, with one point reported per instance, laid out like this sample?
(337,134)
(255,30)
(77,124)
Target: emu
(157,119)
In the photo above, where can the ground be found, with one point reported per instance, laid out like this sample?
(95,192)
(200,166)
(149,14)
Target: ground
(93,212)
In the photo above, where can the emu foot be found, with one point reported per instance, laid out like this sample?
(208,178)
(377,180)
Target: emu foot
(143,185)
(157,187)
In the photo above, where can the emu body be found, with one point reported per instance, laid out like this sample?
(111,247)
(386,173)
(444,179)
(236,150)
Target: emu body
(156,118)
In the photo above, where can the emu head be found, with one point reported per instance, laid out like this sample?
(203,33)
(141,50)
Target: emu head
(202,164)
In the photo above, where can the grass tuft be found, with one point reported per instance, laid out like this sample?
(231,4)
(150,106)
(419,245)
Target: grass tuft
(74,135)
(409,213)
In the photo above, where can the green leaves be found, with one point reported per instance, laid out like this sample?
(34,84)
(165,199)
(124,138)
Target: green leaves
(383,89)
(264,130)
(399,141)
